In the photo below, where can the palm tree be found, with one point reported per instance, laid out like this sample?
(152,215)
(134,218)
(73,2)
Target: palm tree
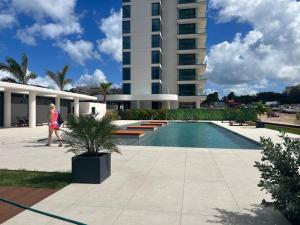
(19,72)
(104,87)
(60,77)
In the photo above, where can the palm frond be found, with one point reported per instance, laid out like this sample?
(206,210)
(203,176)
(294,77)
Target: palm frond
(24,64)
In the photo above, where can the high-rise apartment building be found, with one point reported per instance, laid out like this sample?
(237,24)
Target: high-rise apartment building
(163,53)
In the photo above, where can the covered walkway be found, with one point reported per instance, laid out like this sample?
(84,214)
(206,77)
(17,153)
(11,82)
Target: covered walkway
(33,92)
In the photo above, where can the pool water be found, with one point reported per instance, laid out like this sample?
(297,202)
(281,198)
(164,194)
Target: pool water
(201,135)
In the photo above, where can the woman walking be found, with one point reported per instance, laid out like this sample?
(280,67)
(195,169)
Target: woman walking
(53,125)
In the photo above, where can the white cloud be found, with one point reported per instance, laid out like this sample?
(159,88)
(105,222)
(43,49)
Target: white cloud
(92,79)
(53,19)
(4,74)
(57,10)
(112,28)
(79,51)
(268,54)
(7,20)
(44,82)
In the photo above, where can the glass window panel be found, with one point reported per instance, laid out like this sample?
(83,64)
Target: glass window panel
(126,58)
(187,44)
(126,11)
(126,27)
(156,57)
(126,42)
(187,59)
(156,41)
(187,74)
(126,89)
(126,73)
(156,88)
(156,25)
(187,13)
(189,28)
(156,9)
(186,89)
(156,73)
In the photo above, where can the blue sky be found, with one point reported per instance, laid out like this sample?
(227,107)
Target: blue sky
(86,35)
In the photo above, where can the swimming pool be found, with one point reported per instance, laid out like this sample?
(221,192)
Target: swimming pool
(182,134)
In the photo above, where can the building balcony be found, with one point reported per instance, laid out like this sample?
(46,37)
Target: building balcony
(201,67)
(201,51)
(192,4)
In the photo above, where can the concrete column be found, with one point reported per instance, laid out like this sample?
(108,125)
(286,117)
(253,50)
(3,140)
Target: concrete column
(32,109)
(198,104)
(168,103)
(57,103)
(138,104)
(76,107)
(7,108)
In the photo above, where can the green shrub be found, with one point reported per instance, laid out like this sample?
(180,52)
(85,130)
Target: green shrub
(280,175)
(189,114)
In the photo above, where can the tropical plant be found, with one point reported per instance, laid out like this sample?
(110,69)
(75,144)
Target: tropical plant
(260,109)
(19,72)
(88,135)
(104,88)
(60,77)
(280,175)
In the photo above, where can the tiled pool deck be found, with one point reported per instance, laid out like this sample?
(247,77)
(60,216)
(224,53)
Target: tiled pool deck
(149,185)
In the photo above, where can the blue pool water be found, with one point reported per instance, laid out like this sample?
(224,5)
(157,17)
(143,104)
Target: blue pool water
(202,135)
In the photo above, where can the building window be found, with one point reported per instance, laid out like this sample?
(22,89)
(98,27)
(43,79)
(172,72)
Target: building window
(187,74)
(126,58)
(186,89)
(187,59)
(156,57)
(156,105)
(156,9)
(156,41)
(126,11)
(126,74)
(187,13)
(93,110)
(126,89)
(126,42)
(187,105)
(189,28)
(156,73)
(126,27)
(156,25)
(156,88)
(125,1)
(184,44)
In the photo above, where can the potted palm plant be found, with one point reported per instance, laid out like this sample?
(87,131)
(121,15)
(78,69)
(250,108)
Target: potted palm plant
(92,142)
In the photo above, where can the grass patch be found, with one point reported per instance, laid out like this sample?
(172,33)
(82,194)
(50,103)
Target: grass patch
(34,179)
(292,130)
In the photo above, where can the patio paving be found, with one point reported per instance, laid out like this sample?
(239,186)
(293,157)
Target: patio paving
(149,186)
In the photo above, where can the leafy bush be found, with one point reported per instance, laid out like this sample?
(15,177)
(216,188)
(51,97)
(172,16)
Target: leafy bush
(280,175)
(113,115)
(88,135)
(189,114)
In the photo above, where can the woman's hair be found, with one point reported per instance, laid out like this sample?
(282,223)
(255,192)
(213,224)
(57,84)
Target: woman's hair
(52,106)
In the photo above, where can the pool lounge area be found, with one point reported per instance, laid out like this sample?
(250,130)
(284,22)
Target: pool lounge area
(199,186)
(188,134)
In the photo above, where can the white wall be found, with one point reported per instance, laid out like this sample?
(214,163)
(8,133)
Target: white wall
(85,108)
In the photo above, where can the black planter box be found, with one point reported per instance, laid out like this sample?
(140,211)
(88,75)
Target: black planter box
(91,168)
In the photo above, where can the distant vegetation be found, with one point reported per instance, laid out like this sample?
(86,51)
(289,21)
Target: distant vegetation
(190,114)
(291,95)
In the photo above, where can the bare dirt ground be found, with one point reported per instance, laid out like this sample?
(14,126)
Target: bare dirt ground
(283,118)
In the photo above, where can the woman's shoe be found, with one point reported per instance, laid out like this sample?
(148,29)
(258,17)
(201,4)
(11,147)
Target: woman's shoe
(47,145)
(60,144)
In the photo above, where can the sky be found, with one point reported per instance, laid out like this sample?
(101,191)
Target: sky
(252,45)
